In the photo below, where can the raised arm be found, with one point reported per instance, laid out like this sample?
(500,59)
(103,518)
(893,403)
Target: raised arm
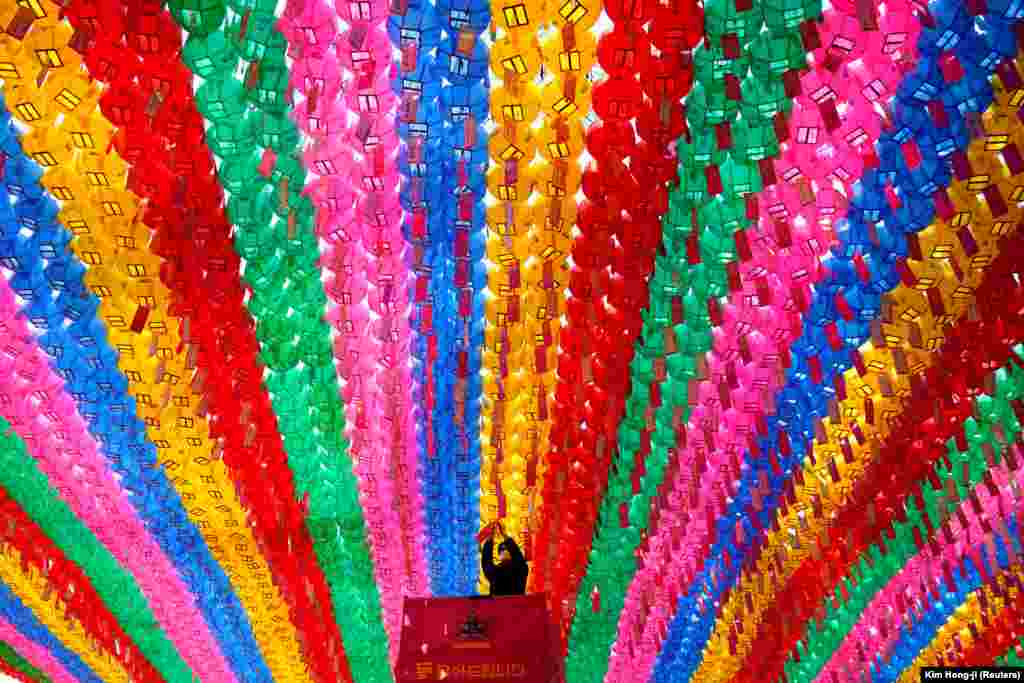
(487,559)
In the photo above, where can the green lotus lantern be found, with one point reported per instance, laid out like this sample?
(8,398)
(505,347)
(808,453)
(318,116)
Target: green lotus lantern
(198,17)
(220,100)
(208,56)
(721,18)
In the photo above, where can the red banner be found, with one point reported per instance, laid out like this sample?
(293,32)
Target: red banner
(476,639)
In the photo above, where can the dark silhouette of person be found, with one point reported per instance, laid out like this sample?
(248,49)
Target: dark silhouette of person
(508,576)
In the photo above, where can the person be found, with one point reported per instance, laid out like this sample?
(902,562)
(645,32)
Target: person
(508,576)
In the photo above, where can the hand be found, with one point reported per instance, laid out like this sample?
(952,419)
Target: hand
(486,534)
